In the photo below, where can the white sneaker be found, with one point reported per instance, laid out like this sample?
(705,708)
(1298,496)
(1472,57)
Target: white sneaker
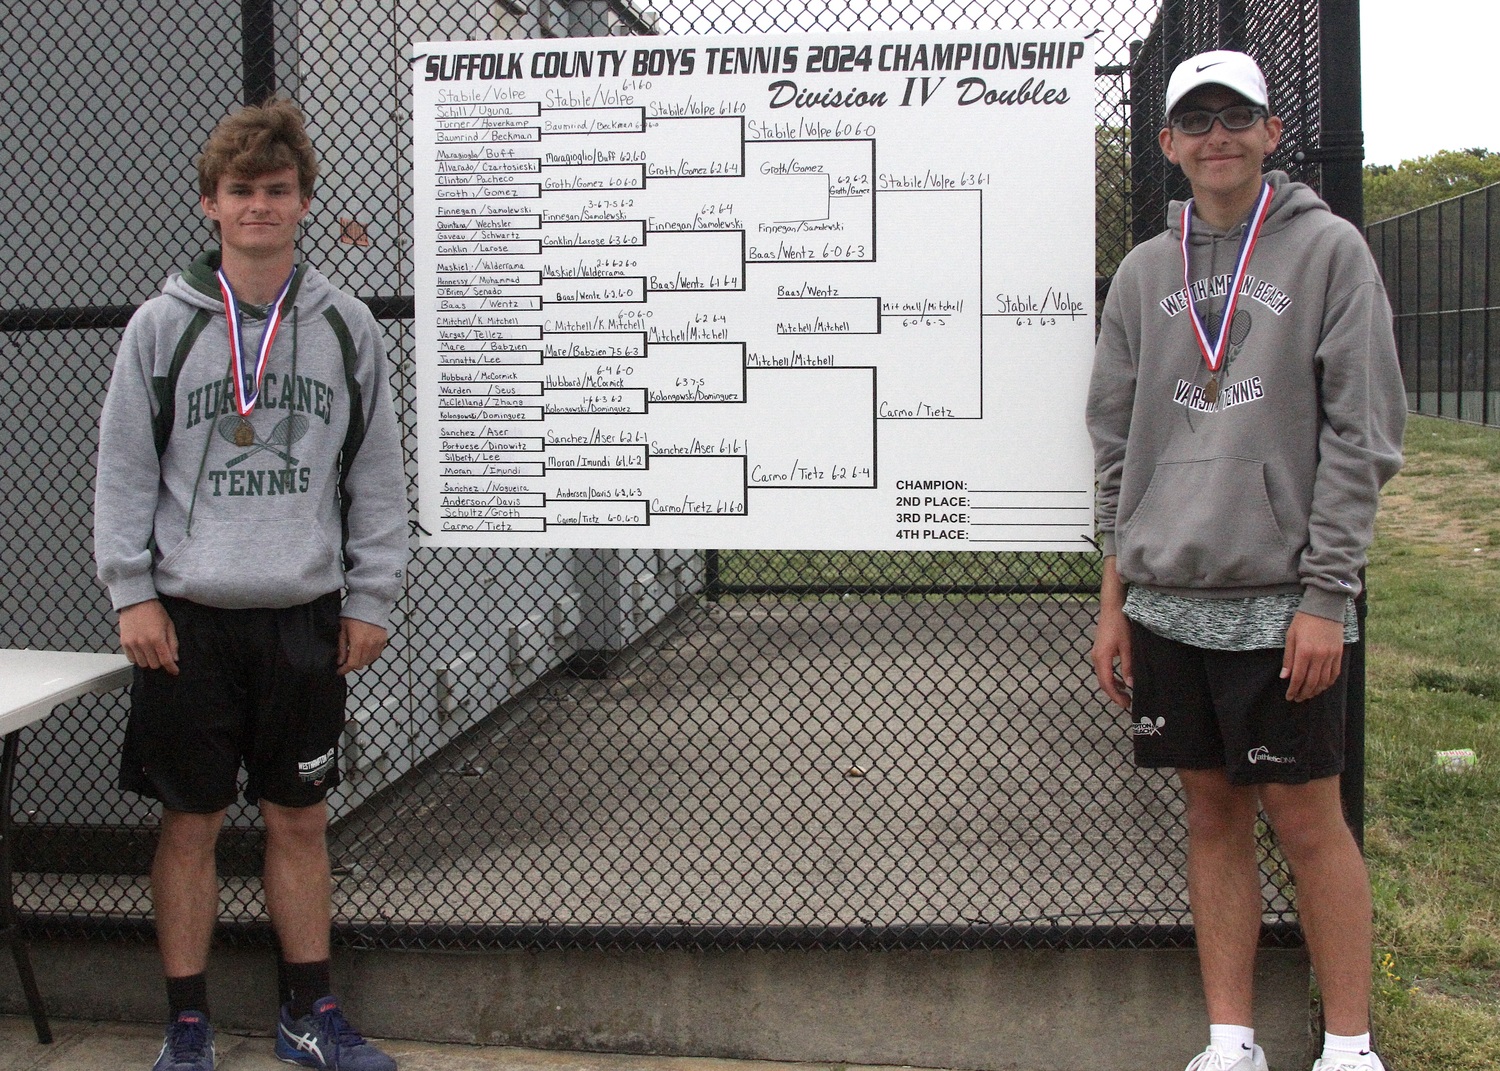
(1211,1059)
(1365,1061)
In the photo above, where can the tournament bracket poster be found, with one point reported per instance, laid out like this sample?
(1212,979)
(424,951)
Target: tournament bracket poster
(755,291)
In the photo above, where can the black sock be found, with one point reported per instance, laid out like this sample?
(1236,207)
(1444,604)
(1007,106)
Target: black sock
(303,984)
(187,994)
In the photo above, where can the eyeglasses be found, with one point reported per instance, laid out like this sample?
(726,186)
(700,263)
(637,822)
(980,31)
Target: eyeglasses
(1235,117)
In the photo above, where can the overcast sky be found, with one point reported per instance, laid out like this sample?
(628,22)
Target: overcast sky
(1431,74)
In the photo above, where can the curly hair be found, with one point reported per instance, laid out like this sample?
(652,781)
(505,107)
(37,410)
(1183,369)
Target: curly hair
(255,141)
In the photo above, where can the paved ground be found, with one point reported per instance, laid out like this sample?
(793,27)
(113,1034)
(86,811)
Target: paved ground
(86,1046)
(836,762)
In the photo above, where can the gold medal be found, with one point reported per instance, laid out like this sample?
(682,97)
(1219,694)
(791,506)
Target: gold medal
(247,380)
(1211,392)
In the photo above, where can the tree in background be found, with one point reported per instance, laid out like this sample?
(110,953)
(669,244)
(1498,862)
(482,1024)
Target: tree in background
(1111,198)
(1390,191)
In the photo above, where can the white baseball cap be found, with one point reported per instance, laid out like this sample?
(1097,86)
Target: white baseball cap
(1233,70)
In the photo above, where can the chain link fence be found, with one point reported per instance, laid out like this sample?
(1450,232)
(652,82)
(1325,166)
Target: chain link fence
(1442,272)
(584,748)
(1282,37)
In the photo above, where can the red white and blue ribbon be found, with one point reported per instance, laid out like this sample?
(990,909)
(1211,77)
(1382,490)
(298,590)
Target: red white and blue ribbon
(246,391)
(1213,350)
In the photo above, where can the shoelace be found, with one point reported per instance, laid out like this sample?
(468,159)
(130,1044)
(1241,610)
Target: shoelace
(187,1039)
(339,1028)
(1211,1059)
(1349,1063)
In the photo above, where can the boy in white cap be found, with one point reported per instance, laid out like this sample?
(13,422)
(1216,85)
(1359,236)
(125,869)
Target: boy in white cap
(1246,407)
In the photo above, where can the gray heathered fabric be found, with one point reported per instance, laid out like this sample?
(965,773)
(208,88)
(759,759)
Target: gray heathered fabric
(1250,624)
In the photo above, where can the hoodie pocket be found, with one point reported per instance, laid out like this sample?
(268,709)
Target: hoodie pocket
(1206,524)
(246,564)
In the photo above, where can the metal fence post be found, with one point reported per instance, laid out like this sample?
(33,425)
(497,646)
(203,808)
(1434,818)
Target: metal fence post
(1342,158)
(257,21)
(1342,150)
(1487,414)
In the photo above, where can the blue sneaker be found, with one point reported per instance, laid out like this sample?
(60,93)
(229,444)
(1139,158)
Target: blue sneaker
(189,1044)
(324,1039)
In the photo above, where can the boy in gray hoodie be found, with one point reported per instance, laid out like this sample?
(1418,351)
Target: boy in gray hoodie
(1246,406)
(250,524)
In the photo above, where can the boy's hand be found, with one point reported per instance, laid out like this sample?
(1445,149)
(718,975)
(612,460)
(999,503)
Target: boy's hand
(148,637)
(1314,656)
(1112,639)
(1111,645)
(360,643)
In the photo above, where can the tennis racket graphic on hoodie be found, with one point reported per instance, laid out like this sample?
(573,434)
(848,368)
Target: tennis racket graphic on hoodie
(287,431)
(1239,330)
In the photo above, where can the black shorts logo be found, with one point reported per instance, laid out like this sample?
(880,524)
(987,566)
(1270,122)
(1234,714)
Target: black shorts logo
(314,770)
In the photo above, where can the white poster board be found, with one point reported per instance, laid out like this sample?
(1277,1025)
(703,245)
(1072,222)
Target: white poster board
(779,292)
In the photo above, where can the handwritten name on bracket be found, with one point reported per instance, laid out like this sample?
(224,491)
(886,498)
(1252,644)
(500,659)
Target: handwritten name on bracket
(1054,302)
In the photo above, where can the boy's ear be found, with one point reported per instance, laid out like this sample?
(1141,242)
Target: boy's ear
(1164,139)
(1273,133)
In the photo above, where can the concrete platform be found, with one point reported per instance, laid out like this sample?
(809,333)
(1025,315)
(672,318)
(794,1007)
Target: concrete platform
(995,1011)
(836,762)
(843,761)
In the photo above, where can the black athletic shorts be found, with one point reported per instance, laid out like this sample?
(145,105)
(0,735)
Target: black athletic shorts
(1199,709)
(258,687)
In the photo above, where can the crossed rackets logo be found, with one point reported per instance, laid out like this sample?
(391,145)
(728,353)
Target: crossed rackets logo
(287,431)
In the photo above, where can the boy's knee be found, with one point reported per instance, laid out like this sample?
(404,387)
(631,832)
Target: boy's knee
(300,824)
(1214,807)
(186,833)
(1305,818)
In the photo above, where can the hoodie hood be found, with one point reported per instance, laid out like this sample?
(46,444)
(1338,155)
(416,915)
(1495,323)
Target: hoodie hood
(198,286)
(1289,200)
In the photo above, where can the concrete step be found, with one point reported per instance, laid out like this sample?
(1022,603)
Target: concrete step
(993,1010)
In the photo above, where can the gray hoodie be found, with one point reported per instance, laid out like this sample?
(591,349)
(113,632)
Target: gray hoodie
(1271,488)
(268,525)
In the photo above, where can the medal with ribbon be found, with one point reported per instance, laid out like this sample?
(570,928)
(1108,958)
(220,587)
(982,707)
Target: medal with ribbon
(1214,350)
(247,382)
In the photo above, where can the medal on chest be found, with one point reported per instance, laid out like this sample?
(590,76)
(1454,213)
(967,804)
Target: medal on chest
(1214,349)
(247,377)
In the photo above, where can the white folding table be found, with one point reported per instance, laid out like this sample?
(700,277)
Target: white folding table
(32,685)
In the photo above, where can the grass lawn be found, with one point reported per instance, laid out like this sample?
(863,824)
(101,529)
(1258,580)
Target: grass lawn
(840,571)
(1433,837)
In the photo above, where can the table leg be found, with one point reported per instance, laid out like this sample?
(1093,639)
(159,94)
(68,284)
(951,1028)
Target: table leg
(9,930)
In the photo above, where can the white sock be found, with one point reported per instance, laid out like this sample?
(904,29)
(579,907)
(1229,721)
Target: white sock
(1231,1040)
(1355,1044)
